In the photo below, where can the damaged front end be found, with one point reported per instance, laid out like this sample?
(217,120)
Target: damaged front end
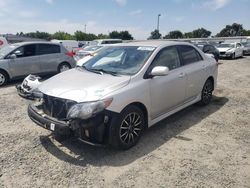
(29,88)
(87,121)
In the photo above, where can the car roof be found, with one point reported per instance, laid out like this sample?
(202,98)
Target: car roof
(152,43)
(34,42)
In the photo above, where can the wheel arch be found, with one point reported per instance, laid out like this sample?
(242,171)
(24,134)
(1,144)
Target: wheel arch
(212,80)
(64,62)
(142,107)
(8,75)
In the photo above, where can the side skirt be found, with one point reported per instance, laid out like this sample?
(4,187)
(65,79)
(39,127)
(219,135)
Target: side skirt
(156,120)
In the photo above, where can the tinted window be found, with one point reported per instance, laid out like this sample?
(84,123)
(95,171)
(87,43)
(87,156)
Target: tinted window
(25,51)
(48,49)
(189,55)
(168,57)
(206,49)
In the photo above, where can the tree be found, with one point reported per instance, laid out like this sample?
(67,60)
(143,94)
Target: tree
(246,32)
(39,35)
(60,35)
(155,34)
(201,33)
(102,36)
(174,35)
(114,35)
(80,36)
(189,35)
(231,30)
(124,35)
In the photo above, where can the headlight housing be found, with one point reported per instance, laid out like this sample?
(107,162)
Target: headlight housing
(88,109)
(229,52)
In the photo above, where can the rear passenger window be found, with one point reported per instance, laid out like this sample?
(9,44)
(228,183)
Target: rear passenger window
(189,55)
(48,49)
(168,57)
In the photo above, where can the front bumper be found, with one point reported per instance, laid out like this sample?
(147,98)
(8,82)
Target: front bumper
(27,94)
(94,131)
(226,55)
(41,119)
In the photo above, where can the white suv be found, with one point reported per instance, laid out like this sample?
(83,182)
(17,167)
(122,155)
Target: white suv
(125,89)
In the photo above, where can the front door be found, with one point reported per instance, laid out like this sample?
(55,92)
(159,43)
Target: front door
(167,92)
(26,61)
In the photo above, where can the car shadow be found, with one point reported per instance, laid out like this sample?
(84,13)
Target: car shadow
(81,154)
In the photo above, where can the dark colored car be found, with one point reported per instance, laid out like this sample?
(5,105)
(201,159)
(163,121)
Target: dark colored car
(209,49)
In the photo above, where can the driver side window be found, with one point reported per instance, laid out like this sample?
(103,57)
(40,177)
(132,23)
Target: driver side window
(19,52)
(168,57)
(25,51)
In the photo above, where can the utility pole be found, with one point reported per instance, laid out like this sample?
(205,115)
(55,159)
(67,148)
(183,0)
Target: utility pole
(85,28)
(158,22)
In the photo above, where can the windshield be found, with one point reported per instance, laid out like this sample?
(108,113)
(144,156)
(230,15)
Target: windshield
(125,60)
(224,45)
(7,49)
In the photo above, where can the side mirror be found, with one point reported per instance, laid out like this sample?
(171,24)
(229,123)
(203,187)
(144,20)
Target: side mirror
(160,71)
(18,53)
(12,56)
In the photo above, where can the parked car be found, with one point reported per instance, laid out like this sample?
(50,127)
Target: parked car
(104,41)
(29,87)
(113,102)
(89,50)
(3,42)
(70,45)
(246,48)
(209,49)
(230,50)
(21,59)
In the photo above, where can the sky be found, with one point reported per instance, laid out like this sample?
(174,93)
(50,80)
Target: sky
(139,17)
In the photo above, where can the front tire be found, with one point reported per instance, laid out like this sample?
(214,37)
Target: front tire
(127,129)
(207,93)
(233,56)
(3,78)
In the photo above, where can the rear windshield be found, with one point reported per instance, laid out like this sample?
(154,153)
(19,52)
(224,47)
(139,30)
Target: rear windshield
(224,45)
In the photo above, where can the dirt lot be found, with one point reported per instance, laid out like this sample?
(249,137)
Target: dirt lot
(198,147)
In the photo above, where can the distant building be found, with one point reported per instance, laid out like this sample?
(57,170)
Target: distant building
(16,38)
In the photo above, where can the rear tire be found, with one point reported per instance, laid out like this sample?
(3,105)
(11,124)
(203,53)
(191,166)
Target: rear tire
(126,130)
(3,78)
(207,93)
(63,67)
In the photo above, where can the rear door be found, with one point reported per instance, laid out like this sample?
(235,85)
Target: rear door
(194,66)
(26,61)
(49,55)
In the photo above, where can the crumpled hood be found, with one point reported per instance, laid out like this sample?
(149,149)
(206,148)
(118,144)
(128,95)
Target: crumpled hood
(82,86)
(224,49)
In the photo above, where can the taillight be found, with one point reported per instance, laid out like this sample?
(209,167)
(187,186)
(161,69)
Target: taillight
(71,54)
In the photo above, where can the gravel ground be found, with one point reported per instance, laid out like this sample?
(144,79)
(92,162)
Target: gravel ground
(197,147)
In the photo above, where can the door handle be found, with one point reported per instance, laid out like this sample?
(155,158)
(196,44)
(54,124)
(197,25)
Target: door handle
(181,75)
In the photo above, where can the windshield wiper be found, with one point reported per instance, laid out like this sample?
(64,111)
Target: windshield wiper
(101,71)
(91,70)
